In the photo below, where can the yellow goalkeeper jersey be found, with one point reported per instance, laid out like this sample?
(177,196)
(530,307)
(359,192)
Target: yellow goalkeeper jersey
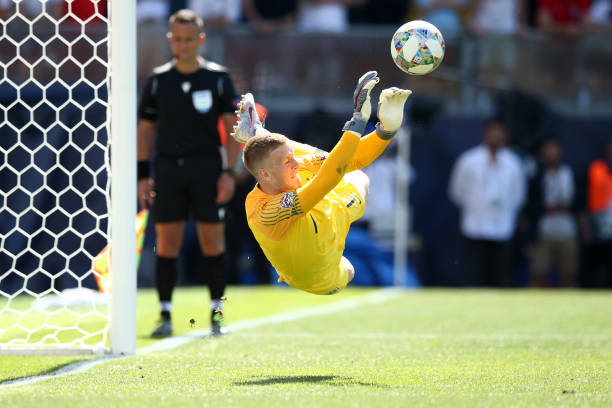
(303,232)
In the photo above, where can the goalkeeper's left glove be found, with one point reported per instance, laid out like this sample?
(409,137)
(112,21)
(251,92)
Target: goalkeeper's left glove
(391,111)
(362,106)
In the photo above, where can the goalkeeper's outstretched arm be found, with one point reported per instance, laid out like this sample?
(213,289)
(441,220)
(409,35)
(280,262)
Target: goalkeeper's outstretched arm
(391,113)
(337,163)
(331,172)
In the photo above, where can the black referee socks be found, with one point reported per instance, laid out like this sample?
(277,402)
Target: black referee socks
(214,267)
(165,279)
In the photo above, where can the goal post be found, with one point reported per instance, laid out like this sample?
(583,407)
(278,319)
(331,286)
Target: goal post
(402,228)
(123,166)
(68,176)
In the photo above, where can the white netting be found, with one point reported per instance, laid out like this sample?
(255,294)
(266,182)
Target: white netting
(53,174)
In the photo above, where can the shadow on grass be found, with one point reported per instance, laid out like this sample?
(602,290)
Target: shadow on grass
(309,379)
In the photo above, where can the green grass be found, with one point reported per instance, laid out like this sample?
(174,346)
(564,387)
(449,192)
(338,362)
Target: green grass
(192,302)
(433,348)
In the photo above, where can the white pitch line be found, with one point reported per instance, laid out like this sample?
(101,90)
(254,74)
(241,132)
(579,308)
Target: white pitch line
(435,336)
(169,343)
(378,296)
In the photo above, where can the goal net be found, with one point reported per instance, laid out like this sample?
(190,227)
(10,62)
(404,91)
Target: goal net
(55,176)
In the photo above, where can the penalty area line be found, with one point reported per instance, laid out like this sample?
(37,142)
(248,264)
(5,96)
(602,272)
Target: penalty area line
(378,296)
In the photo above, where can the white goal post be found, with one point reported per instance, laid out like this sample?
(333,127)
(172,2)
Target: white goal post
(68,176)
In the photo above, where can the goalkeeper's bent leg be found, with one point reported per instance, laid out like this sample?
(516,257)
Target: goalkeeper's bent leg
(350,269)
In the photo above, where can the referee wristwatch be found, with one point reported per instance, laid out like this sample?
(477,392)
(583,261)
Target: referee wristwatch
(229,171)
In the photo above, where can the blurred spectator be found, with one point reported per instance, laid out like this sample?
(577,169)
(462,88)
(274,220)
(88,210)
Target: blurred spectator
(566,16)
(217,13)
(152,17)
(600,15)
(152,11)
(270,16)
(597,222)
(551,199)
(380,12)
(488,185)
(501,19)
(329,16)
(444,14)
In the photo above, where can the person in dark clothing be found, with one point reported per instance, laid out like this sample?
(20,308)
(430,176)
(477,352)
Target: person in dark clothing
(178,114)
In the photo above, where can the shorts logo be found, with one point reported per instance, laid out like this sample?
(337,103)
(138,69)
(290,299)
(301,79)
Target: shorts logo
(286,200)
(202,100)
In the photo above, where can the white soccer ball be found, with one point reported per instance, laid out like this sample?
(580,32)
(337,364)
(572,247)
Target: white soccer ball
(417,47)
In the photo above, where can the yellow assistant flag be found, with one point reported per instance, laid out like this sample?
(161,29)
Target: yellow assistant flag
(101,264)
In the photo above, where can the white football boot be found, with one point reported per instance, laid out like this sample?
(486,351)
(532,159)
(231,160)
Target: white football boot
(248,120)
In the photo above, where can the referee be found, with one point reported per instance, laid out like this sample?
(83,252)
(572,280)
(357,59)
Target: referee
(178,115)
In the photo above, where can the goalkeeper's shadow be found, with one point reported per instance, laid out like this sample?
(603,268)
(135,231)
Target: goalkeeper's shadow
(334,380)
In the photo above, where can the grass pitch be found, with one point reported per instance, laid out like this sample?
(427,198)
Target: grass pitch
(437,348)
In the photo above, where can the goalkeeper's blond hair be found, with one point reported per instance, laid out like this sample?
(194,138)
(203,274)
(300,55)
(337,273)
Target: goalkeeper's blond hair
(258,148)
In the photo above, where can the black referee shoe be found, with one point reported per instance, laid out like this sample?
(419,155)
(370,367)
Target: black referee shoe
(217,323)
(164,328)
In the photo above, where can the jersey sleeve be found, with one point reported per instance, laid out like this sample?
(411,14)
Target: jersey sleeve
(227,94)
(370,147)
(148,105)
(331,172)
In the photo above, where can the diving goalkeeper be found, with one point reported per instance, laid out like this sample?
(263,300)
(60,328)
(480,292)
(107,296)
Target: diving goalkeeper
(305,199)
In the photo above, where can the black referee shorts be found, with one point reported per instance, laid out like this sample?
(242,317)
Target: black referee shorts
(184,184)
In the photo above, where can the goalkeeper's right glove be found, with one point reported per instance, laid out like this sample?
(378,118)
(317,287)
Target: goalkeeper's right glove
(362,106)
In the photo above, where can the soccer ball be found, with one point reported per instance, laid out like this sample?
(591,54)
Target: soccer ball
(417,47)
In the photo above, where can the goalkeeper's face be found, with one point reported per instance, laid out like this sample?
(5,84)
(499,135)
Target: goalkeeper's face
(281,170)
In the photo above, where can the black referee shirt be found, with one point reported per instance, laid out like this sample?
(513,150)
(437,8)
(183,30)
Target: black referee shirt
(187,107)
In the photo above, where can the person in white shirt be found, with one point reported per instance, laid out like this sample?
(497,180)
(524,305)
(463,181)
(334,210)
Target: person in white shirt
(488,185)
(551,197)
(325,16)
(217,13)
(496,23)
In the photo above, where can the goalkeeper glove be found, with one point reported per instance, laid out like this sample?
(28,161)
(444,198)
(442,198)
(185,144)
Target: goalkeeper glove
(391,111)
(362,106)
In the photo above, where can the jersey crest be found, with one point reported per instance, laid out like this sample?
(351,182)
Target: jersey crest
(202,100)
(286,200)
